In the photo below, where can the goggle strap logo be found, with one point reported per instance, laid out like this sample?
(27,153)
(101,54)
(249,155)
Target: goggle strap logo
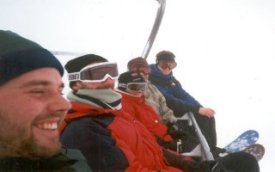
(74,76)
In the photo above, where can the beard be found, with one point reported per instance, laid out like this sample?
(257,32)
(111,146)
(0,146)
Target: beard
(17,140)
(28,148)
(31,149)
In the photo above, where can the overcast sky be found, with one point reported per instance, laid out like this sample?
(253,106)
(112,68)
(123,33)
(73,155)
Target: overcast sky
(224,48)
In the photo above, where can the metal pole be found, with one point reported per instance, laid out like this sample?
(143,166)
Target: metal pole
(207,155)
(154,31)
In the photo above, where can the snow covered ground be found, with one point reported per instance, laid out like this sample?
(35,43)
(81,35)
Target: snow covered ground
(224,48)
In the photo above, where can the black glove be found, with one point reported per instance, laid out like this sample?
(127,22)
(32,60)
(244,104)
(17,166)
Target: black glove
(178,129)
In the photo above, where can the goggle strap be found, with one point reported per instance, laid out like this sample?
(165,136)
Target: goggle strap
(122,85)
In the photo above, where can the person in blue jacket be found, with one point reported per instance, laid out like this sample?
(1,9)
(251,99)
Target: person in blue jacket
(180,101)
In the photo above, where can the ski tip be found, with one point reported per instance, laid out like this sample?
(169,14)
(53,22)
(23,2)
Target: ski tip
(252,131)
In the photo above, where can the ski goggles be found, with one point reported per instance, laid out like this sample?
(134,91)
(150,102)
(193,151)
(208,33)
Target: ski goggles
(171,64)
(98,72)
(136,86)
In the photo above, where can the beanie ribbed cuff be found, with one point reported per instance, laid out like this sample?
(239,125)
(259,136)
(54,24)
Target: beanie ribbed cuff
(19,55)
(17,63)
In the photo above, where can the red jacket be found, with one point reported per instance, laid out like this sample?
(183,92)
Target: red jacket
(137,107)
(136,142)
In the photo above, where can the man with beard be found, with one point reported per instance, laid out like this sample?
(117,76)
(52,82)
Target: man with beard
(31,109)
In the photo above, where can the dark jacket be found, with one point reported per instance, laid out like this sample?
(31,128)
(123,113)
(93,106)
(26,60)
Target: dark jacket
(68,160)
(177,98)
(89,133)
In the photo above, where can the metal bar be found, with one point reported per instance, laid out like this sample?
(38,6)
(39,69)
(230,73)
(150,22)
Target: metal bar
(154,31)
(207,155)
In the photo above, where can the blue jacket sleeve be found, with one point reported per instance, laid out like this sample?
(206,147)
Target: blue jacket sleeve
(179,100)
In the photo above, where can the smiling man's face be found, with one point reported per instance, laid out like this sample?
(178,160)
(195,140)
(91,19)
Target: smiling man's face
(31,109)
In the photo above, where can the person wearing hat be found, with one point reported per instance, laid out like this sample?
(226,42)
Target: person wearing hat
(132,89)
(139,66)
(180,101)
(31,109)
(110,138)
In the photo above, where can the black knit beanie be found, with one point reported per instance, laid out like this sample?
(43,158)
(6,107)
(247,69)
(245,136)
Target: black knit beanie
(76,64)
(126,78)
(19,55)
(165,56)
